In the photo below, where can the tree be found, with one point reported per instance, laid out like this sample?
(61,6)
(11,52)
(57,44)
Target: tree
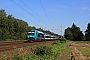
(2,24)
(73,33)
(87,32)
(12,28)
(68,34)
(2,14)
(31,28)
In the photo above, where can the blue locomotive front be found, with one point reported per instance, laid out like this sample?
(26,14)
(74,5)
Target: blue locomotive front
(35,35)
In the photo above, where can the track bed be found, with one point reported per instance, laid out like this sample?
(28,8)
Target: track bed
(21,47)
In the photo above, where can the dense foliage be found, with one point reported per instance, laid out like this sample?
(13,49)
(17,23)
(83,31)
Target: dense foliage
(87,32)
(62,40)
(12,28)
(42,50)
(73,33)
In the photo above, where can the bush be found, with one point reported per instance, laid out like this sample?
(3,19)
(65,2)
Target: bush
(62,40)
(55,43)
(42,50)
(17,57)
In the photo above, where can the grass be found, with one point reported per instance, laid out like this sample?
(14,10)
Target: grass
(85,51)
(56,48)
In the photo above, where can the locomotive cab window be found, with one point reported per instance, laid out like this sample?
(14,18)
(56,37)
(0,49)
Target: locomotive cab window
(31,33)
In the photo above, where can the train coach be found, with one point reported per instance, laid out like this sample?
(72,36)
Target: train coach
(50,37)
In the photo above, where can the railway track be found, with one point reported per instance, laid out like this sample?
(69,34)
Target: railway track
(5,46)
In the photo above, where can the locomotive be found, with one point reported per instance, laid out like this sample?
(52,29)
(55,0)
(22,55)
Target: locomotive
(36,35)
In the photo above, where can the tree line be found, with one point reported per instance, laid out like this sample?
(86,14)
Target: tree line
(75,34)
(15,29)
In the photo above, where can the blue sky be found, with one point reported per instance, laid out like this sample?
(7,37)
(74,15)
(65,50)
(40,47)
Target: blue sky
(55,13)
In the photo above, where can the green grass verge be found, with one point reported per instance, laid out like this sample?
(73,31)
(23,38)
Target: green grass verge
(56,48)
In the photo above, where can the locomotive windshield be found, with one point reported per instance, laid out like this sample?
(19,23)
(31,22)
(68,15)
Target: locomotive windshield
(31,33)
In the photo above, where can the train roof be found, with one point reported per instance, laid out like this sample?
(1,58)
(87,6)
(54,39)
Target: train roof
(50,35)
(32,31)
(40,32)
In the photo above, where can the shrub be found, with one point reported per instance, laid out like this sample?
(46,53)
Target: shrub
(62,40)
(42,50)
(17,57)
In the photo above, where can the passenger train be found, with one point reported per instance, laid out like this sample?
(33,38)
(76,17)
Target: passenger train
(35,35)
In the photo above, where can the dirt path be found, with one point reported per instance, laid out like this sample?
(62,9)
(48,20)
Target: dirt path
(77,55)
(66,53)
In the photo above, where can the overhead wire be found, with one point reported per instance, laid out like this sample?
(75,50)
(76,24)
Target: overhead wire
(33,12)
(46,13)
(27,11)
(44,9)
(29,8)
(13,11)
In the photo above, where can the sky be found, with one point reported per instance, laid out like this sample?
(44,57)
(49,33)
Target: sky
(50,14)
